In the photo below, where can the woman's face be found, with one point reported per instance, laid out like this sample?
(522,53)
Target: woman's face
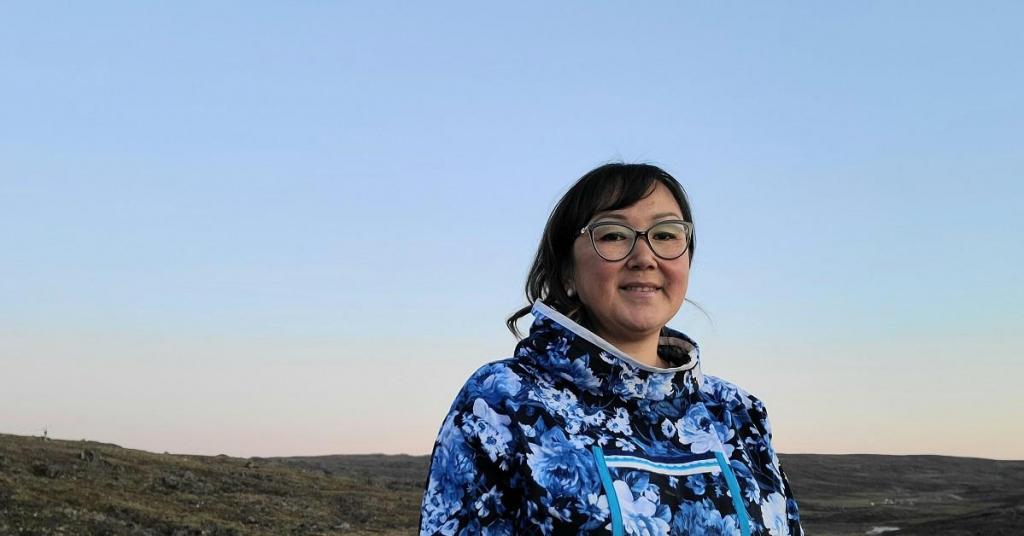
(609,289)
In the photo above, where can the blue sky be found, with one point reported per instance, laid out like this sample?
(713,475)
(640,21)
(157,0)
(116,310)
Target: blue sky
(269,229)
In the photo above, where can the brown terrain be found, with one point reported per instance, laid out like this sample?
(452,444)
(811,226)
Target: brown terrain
(83,487)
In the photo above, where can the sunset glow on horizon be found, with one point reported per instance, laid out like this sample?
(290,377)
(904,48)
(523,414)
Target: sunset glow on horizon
(293,230)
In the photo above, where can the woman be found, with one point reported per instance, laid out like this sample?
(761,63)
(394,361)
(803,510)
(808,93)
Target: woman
(602,422)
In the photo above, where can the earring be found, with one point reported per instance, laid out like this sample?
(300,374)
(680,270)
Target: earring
(570,292)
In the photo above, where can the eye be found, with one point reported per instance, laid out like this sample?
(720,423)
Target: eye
(668,232)
(606,233)
(611,236)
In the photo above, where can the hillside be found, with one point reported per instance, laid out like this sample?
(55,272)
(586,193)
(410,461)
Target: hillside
(84,487)
(922,495)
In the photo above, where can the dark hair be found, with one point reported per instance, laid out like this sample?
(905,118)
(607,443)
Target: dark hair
(608,187)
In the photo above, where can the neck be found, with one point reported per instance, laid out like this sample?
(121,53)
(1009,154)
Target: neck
(644,350)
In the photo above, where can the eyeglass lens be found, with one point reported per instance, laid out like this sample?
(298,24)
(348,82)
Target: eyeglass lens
(614,242)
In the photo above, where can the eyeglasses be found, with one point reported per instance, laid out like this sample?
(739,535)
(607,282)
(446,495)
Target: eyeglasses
(615,241)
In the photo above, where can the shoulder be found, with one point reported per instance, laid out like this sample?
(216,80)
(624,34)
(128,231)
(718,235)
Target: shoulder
(496,383)
(737,401)
(481,424)
(723,391)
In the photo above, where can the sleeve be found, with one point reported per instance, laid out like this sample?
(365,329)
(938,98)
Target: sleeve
(792,520)
(792,510)
(468,488)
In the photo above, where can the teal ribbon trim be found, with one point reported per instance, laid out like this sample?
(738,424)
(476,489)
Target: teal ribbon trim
(734,490)
(609,491)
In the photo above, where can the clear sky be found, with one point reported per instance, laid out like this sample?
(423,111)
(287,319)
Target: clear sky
(270,228)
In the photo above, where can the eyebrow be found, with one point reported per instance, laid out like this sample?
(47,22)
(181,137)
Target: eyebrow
(657,216)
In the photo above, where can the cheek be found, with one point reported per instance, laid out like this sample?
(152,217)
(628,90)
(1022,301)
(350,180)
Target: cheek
(593,276)
(580,270)
(680,277)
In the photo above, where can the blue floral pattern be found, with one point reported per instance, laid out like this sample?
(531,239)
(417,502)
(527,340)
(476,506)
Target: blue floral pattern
(514,454)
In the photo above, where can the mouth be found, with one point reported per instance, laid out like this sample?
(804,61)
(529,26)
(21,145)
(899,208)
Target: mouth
(640,288)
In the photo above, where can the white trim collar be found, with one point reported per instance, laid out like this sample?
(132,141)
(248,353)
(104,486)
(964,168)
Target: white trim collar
(568,323)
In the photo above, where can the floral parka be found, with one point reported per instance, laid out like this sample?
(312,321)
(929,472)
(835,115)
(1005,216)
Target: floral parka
(573,436)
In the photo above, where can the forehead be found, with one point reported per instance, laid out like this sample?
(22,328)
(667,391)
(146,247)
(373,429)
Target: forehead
(659,204)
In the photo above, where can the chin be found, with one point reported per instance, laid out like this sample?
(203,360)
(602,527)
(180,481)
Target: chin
(645,322)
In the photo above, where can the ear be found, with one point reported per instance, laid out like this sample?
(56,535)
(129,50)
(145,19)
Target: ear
(567,284)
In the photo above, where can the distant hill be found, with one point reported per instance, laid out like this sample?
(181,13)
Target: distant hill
(84,487)
(922,495)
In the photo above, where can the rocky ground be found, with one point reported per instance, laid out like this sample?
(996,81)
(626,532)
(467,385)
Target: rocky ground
(83,488)
(920,495)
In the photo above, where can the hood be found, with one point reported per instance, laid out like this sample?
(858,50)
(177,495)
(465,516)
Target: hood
(561,350)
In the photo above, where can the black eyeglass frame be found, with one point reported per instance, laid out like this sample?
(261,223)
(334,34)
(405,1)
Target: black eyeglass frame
(637,233)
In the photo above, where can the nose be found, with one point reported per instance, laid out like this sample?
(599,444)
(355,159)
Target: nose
(642,256)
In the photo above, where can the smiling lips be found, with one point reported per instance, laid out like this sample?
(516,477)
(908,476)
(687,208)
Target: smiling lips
(640,287)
